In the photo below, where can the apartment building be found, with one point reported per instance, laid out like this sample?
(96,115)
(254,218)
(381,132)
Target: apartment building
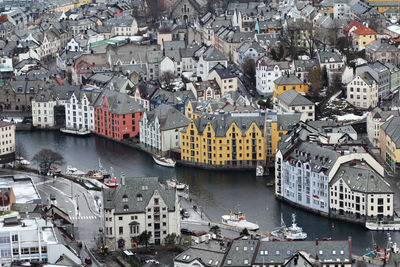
(389,143)
(43,109)
(7,143)
(292,101)
(139,204)
(362,91)
(380,73)
(267,71)
(226,80)
(208,60)
(375,119)
(288,82)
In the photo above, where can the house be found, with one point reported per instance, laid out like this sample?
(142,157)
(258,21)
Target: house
(382,50)
(177,99)
(79,110)
(7,145)
(248,49)
(287,82)
(205,254)
(244,133)
(142,94)
(389,143)
(362,91)
(204,90)
(375,119)
(122,26)
(117,115)
(301,68)
(381,74)
(331,60)
(7,198)
(362,36)
(43,109)
(160,128)
(226,80)
(292,101)
(138,205)
(208,60)
(73,45)
(267,71)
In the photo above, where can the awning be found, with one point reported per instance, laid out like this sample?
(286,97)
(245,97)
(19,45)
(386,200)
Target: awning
(134,223)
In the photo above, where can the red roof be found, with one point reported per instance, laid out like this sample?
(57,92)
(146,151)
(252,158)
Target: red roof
(348,27)
(59,80)
(364,30)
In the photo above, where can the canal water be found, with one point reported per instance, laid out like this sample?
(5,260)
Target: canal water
(216,192)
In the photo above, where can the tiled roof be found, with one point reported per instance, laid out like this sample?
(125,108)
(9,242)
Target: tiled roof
(364,30)
(293,98)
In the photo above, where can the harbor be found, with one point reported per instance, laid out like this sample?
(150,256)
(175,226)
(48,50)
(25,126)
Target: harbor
(215,193)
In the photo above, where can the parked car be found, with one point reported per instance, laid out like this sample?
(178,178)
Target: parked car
(52,197)
(186,231)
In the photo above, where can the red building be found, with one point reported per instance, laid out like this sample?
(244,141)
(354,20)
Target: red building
(117,115)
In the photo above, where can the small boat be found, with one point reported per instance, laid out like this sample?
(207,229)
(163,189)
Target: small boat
(165,162)
(237,219)
(54,170)
(72,171)
(81,132)
(294,232)
(259,171)
(98,174)
(22,161)
(111,182)
(175,184)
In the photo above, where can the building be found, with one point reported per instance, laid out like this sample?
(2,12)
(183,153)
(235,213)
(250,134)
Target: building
(32,239)
(79,111)
(230,140)
(331,60)
(123,26)
(204,255)
(375,119)
(358,191)
(362,36)
(267,71)
(7,144)
(7,198)
(292,101)
(117,115)
(288,82)
(382,50)
(389,143)
(381,74)
(160,128)
(138,205)
(208,60)
(362,91)
(204,90)
(226,80)
(43,109)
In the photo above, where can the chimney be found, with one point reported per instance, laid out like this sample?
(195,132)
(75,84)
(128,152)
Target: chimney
(123,181)
(316,241)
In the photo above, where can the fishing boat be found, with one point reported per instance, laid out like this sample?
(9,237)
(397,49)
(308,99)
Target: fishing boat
(54,170)
(97,174)
(259,171)
(237,219)
(165,162)
(175,184)
(111,182)
(294,232)
(22,161)
(72,171)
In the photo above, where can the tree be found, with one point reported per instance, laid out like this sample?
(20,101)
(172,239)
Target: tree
(336,83)
(171,239)
(167,77)
(315,76)
(20,151)
(249,68)
(274,55)
(244,232)
(154,9)
(144,238)
(215,230)
(45,158)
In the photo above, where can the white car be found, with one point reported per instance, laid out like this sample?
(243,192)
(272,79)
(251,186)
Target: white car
(152,261)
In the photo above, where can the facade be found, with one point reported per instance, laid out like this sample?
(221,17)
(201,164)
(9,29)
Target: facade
(375,119)
(288,82)
(381,50)
(7,144)
(234,140)
(362,36)
(389,143)
(79,111)
(203,255)
(117,115)
(205,90)
(362,91)
(267,71)
(226,80)
(160,128)
(381,74)
(331,60)
(210,58)
(291,101)
(43,109)
(30,240)
(138,205)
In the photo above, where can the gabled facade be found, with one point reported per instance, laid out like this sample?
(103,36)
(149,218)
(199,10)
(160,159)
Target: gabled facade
(267,71)
(362,91)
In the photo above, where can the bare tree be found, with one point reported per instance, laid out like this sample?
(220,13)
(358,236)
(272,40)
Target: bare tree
(167,77)
(315,76)
(46,158)
(20,151)
(249,68)
(154,9)
(289,38)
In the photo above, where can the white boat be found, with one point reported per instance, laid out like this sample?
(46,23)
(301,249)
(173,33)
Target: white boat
(166,162)
(72,171)
(77,132)
(294,232)
(175,184)
(237,219)
(259,170)
(387,226)
(22,161)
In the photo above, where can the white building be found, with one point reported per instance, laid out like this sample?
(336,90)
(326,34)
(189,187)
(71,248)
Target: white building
(208,61)
(7,142)
(73,45)
(267,71)
(332,60)
(362,91)
(43,109)
(292,101)
(138,205)
(375,119)
(79,111)
(160,128)
(31,239)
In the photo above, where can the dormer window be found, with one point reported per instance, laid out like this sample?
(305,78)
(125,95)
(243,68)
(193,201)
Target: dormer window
(126,208)
(124,198)
(139,197)
(145,187)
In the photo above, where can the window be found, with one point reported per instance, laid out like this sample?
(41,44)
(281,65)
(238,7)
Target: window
(121,230)
(120,218)
(14,238)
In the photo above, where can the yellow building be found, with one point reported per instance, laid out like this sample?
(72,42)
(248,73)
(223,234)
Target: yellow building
(68,5)
(384,5)
(234,140)
(389,139)
(363,36)
(287,82)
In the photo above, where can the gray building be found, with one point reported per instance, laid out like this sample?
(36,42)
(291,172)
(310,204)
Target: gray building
(381,74)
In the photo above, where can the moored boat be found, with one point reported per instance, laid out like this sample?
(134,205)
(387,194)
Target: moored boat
(111,182)
(81,132)
(259,171)
(175,184)
(72,171)
(293,232)
(237,219)
(165,162)
(22,161)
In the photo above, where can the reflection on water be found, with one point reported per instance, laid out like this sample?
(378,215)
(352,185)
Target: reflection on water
(216,192)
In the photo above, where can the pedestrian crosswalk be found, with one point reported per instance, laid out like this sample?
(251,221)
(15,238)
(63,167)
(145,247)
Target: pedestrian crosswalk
(76,218)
